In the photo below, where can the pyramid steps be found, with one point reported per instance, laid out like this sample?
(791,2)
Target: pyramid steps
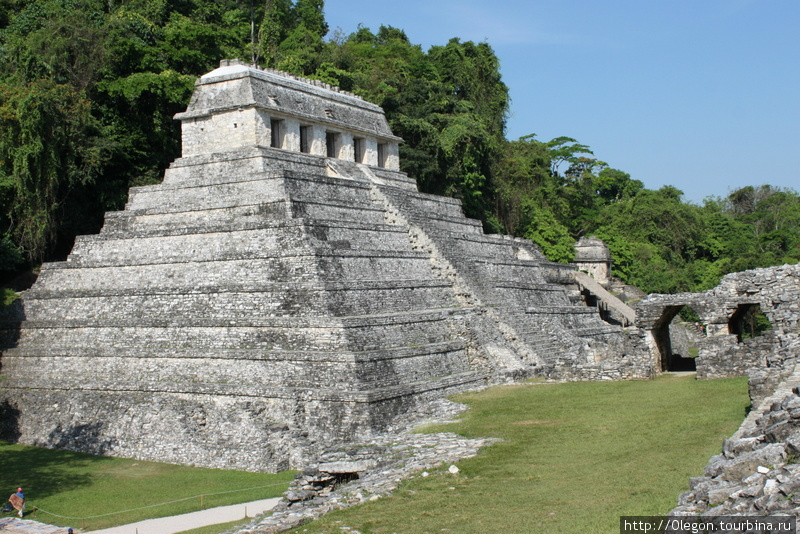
(304,355)
(265,390)
(168,199)
(61,275)
(262,303)
(240,164)
(242,300)
(535,305)
(531,297)
(424,205)
(317,333)
(95,251)
(143,223)
(246,368)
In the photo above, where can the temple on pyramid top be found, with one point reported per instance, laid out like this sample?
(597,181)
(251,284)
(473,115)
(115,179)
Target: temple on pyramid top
(238,106)
(285,288)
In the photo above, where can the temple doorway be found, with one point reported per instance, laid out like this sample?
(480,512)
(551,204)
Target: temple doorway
(677,334)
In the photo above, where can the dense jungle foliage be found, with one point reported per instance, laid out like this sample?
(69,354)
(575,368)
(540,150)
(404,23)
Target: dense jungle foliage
(88,89)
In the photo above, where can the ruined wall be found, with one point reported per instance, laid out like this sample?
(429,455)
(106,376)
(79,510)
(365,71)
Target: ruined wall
(756,473)
(723,351)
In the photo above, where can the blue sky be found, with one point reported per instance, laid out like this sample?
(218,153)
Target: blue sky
(700,94)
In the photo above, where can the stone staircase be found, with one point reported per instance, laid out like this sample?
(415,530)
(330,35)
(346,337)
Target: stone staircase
(292,290)
(510,275)
(262,302)
(606,301)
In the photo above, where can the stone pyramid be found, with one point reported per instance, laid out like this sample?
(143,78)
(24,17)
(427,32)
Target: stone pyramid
(284,287)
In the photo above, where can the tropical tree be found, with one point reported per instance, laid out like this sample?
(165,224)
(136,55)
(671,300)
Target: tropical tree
(49,146)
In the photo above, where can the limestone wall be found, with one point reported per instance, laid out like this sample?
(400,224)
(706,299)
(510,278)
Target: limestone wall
(264,301)
(723,351)
(246,106)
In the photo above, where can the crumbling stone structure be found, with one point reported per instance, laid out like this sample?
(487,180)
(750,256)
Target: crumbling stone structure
(284,287)
(722,348)
(757,471)
(593,257)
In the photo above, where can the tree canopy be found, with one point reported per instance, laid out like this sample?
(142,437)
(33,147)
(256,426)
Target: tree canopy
(88,89)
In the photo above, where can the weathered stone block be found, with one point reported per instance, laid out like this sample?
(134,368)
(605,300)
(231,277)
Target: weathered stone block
(746,464)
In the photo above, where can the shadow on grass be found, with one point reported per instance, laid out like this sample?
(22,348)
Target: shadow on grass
(43,472)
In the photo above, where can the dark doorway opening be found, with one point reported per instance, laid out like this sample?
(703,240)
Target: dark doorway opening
(748,321)
(676,339)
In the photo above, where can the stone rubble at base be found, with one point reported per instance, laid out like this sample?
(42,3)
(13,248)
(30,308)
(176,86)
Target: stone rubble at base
(287,288)
(757,472)
(386,459)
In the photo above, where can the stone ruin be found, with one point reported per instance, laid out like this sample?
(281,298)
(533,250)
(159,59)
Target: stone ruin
(756,473)
(284,287)
(723,348)
(287,287)
(593,257)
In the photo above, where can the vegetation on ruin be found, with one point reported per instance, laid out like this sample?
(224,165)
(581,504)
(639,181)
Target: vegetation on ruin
(88,89)
(82,486)
(7,296)
(574,458)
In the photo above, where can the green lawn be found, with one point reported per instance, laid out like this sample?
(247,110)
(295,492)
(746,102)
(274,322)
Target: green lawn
(81,487)
(574,458)
(217,529)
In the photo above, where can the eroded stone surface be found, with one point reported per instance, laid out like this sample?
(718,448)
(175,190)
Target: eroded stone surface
(390,458)
(757,472)
(283,289)
(722,350)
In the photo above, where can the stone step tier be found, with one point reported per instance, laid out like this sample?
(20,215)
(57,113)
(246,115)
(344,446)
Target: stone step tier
(288,333)
(291,293)
(228,370)
(234,301)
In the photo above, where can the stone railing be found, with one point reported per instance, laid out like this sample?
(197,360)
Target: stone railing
(608,300)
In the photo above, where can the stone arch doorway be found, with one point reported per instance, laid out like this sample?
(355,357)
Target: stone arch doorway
(748,321)
(675,341)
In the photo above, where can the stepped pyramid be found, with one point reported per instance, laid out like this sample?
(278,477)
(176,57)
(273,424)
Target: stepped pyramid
(284,287)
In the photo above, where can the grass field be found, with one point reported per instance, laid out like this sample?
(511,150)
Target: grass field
(575,457)
(216,529)
(78,487)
